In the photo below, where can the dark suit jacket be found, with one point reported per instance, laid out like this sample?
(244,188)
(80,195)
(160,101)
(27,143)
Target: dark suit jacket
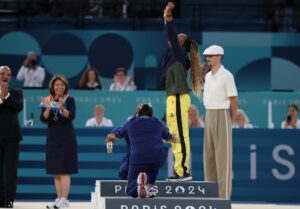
(9,123)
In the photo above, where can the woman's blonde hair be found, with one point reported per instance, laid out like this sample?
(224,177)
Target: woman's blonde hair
(242,112)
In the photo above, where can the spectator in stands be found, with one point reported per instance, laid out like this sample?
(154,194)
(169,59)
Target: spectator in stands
(11,103)
(286,15)
(195,120)
(99,120)
(241,120)
(122,82)
(90,79)
(292,120)
(31,73)
(58,112)
(96,8)
(147,151)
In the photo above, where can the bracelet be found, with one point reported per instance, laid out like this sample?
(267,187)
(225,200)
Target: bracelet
(170,15)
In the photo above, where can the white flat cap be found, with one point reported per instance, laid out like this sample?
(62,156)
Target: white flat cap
(214,50)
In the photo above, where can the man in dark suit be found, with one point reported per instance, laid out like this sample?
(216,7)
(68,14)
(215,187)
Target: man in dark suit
(11,103)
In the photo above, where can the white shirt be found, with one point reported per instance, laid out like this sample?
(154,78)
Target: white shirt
(218,88)
(246,125)
(116,86)
(32,78)
(93,123)
(284,122)
(6,97)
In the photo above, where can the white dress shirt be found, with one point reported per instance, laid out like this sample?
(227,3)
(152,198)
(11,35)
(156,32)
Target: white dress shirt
(31,77)
(116,86)
(93,123)
(218,88)
(1,101)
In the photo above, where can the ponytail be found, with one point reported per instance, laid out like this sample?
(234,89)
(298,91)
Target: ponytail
(196,70)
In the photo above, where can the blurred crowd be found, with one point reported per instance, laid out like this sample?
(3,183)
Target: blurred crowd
(284,15)
(93,8)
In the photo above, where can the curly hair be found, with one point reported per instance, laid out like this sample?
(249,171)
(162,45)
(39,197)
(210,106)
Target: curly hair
(196,77)
(84,78)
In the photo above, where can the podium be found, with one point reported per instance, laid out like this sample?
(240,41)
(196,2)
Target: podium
(111,194)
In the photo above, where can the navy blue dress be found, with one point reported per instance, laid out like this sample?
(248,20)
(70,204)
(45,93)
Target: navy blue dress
(61,145)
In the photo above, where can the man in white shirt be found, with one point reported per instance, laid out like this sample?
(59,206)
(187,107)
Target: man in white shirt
(220,101)
(99,120)
(122,82)
(292,120)
(31,73)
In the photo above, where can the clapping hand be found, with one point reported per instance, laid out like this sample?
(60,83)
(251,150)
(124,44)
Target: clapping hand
(4,89)
(26,62)
(46,102)
(60,104)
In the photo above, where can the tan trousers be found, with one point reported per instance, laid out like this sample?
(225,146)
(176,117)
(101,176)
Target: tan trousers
(218,150)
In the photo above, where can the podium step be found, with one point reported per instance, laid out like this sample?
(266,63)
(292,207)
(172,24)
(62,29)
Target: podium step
(163,203)
(192,189)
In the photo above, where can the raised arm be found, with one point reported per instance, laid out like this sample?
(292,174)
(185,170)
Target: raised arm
(170,31)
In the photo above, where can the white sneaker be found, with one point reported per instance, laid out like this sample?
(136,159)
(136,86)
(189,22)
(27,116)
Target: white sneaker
(142,185)
(53,205)
(63,203)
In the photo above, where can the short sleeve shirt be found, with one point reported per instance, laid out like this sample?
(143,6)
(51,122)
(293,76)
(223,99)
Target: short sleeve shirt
(218,88)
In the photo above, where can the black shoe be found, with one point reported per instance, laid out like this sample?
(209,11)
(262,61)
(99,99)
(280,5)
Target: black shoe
(177,178)
(9,204)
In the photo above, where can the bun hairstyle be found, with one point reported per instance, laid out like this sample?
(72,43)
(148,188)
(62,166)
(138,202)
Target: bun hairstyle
(145,110)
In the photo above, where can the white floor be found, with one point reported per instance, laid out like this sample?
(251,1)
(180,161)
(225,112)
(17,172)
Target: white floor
(86,205)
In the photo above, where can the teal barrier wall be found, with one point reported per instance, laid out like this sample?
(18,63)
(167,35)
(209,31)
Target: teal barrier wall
(259,61)
(120,105)
(265,164)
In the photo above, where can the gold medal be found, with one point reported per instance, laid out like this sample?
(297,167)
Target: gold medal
(55,118)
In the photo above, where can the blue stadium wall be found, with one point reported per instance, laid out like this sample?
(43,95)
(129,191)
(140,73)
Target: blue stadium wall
(265,164)
(121,105)
(259,61)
